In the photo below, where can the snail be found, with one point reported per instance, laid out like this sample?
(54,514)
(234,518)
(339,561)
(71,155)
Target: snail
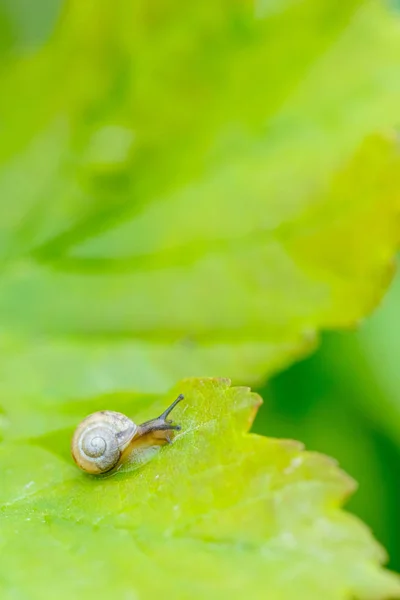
(106,439)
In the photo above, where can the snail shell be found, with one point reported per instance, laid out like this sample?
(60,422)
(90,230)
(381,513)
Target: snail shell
(100,439)
(106,439)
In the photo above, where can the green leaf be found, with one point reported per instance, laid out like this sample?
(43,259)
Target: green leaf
(188,189)
(220,513)
(192,191)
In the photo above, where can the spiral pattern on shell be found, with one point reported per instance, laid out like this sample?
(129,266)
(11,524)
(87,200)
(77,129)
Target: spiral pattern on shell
(100,439)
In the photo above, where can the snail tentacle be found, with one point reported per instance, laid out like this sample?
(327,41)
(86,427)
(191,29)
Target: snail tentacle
(106,439)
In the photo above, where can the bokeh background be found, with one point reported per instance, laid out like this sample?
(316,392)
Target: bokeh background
(344,400)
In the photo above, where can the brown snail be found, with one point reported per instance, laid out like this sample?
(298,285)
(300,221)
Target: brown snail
(106,439)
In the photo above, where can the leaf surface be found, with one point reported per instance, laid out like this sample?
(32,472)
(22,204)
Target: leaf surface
(187,190)
(219,513)
(201,204)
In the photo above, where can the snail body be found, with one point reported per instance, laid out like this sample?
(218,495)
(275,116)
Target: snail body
(106,439)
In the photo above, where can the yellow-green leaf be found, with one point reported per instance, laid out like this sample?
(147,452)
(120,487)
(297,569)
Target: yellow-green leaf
(194,190)
(188,188)
(220,513)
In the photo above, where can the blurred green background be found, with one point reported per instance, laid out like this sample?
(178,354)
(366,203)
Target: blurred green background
(345,399)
